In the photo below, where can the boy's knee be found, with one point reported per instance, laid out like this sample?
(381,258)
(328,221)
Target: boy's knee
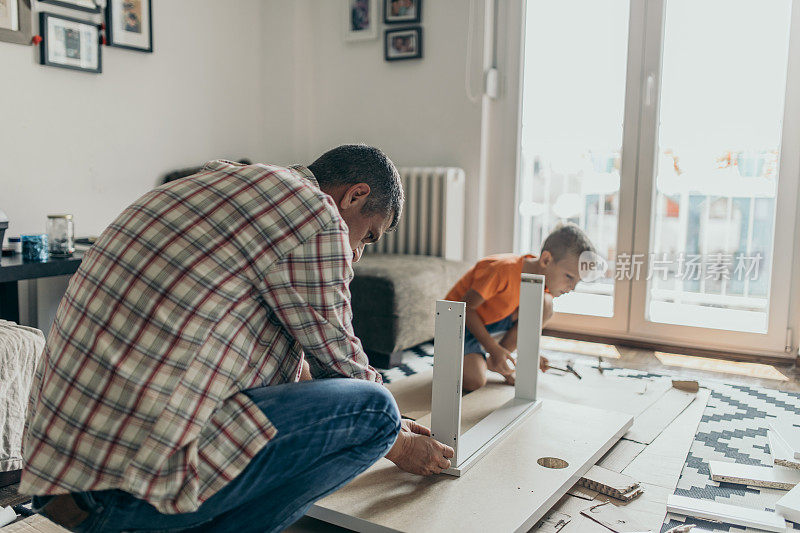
(473,381)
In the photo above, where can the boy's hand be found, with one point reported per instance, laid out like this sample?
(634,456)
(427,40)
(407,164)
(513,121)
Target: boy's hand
(544,363)
(500,361)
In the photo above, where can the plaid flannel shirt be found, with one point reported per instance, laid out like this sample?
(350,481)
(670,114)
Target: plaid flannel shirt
(204,287)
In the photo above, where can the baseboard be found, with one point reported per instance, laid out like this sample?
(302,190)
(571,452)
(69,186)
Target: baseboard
(658,347)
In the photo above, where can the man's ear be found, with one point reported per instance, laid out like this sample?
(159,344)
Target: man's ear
(355,196)
(545,258)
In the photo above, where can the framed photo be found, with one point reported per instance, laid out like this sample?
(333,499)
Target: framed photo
(15,21)
(361,20)
(69,43)
(129,24)
(403,43)
(83,5)
(402,11)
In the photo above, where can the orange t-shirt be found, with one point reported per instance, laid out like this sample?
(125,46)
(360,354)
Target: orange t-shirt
(497,279)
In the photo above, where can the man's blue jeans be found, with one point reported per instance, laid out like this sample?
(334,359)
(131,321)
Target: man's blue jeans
(329,431)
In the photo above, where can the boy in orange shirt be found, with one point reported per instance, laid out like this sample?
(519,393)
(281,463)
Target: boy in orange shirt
(491,291)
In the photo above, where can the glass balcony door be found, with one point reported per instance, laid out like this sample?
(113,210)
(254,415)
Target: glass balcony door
(575,120)
(717,180)
(668,130)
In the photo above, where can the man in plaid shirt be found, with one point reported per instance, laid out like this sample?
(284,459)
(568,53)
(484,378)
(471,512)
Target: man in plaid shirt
(167,397)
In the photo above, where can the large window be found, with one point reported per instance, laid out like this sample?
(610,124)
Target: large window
(658,127)
(573,105)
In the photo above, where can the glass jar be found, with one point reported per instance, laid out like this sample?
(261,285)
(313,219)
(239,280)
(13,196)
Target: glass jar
(61,235)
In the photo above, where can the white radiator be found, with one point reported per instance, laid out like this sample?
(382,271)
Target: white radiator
(433,215)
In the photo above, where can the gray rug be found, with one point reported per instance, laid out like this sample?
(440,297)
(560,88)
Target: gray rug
(733,428)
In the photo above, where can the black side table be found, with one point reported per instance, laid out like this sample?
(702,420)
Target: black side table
(14,269)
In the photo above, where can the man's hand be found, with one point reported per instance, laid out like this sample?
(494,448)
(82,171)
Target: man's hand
(501,361)
(544,363)
(415,451)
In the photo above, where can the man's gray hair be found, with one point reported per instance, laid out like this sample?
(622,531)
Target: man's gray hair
(358,163)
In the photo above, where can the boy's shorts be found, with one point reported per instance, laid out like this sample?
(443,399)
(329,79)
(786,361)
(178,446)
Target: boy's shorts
(496,329)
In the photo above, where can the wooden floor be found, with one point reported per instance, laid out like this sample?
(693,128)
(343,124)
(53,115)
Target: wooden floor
(640,359)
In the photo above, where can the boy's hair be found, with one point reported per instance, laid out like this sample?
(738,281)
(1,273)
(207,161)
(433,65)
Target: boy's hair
(358,163)
(567,239)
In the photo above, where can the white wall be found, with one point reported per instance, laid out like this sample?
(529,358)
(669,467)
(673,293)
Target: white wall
(90,144)
(267,79)
(272,80)
(417,111)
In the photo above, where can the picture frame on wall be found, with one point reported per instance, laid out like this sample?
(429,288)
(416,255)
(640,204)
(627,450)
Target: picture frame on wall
(69,43)
(15,21)
(129,24)
(403,43)
(82,5)
(360,20)
(402,11)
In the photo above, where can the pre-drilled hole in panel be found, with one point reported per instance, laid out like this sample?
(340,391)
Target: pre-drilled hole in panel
(552,462)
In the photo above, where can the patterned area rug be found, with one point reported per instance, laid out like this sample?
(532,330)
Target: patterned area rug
(733,428)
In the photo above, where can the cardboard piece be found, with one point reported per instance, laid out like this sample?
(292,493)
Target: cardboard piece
(658,416)
(626,395)
(578,523)
(553,522)
(661,462)
(582,492)
(506,491)
(597,475)
(777,477)
(621,455)
(614,518)
(612,483)
(728,514)
(649,509)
